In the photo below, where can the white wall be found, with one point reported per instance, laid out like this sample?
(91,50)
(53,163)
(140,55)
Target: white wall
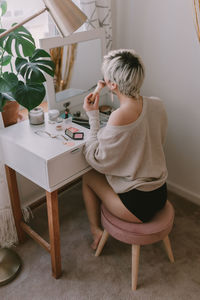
(163,33)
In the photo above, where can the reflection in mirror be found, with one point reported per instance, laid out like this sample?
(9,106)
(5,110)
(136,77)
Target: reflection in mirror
(78,68)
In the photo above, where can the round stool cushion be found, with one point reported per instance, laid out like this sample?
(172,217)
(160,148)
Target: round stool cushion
(139,233)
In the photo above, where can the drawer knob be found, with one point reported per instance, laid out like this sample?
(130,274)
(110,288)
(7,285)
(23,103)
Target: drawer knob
(75,151)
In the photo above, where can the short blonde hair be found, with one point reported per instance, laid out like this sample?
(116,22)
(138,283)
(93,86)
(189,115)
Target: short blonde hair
(126,69)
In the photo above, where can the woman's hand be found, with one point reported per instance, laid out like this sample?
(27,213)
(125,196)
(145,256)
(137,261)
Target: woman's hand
(91,105)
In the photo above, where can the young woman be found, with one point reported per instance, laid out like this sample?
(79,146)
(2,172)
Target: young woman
(129,169)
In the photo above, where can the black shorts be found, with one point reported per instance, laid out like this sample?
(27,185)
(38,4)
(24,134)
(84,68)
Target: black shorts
(144,205)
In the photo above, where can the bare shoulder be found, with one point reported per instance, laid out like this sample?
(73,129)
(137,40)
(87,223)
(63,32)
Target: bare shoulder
(125,115)
(118,118)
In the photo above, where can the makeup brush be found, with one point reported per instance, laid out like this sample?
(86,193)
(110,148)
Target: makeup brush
(100,85)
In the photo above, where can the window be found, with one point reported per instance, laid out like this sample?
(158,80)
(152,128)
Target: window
(40,27)
(19,10)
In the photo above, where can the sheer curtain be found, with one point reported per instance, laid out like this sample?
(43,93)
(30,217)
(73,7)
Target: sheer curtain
(8,234)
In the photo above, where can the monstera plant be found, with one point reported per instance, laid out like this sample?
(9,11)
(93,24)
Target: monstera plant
(22,67)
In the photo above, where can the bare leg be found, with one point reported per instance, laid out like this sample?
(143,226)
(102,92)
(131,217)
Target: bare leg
(96,188)
(92,204)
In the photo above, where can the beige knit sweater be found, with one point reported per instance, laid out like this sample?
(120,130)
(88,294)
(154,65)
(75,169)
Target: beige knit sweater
(131,156)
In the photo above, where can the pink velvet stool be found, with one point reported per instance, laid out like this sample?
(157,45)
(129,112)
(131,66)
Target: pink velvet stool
(138,234)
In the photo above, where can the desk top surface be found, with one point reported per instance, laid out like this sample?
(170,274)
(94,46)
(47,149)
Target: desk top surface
(23,134)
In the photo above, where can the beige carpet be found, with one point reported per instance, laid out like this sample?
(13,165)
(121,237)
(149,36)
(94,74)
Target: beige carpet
(108,277)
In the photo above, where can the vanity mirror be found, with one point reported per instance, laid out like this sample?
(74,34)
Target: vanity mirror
(78,60)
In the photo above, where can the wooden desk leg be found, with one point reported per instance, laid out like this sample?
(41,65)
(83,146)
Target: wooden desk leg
(54,232)
(15,201)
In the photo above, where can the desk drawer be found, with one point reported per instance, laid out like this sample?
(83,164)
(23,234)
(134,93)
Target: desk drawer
(66,165)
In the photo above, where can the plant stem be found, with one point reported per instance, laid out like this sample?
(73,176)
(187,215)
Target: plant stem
(1,60)
(11,67)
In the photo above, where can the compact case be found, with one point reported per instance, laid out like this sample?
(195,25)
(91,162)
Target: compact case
(74,133)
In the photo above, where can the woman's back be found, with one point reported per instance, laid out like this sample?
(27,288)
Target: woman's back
(131,155)
(126,113)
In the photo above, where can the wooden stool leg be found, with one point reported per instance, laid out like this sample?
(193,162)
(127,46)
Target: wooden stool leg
(168,248)
(102,242)
(135,265)
(54,232)
(15,202)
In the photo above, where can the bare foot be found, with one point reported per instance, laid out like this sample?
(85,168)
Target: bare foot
(96,238)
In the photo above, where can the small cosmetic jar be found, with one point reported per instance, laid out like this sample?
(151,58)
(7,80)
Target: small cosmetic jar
(53,114)
(59,127)
(36,116)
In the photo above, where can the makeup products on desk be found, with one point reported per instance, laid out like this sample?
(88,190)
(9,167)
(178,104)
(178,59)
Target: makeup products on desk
(53,114)
(36,116)
(74,133)
(62,137)
(59,127)
(67,133)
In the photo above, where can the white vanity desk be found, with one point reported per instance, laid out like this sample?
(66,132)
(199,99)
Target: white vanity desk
(48,162)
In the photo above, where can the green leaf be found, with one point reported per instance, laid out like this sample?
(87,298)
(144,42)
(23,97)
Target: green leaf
(11,79)
(33,68)
(20,62)
(3,6)
(6,60)
(29,95)
(8,82)
(7,96)
(35,75)
(39,53)
(3,38)
(3,98)
(47,70)
(4,86)
(22,40)
(46,62)
(7,44)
